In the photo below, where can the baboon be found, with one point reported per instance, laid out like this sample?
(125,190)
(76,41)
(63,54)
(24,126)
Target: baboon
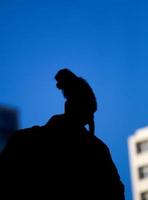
(80,102)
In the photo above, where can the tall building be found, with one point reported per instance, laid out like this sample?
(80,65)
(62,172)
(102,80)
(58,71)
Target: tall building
(8,124)
(138,157)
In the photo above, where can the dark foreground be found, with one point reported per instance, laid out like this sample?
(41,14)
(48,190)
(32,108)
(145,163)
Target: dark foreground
(59,161)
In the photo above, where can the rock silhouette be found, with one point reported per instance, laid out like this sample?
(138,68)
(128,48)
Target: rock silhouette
(62,159)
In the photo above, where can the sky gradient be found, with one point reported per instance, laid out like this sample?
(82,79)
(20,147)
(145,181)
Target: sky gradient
(103,41)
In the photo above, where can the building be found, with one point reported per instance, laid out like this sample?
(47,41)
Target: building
(138,157)
(8,124)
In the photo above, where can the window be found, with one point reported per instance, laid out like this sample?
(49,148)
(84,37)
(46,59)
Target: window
(143,172)
(142,146)
(144,196)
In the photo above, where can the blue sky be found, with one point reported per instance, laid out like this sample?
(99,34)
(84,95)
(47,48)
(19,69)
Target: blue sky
(103,41)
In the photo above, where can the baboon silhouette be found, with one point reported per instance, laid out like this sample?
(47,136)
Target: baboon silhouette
(80,102)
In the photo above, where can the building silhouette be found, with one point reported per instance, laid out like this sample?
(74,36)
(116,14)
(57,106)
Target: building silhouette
(138,157)
(8,124)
